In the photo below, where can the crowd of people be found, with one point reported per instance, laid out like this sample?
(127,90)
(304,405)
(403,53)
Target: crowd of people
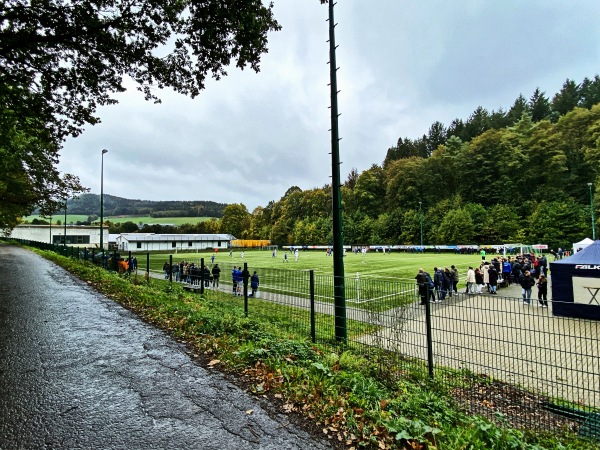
(193,274)
(526,270)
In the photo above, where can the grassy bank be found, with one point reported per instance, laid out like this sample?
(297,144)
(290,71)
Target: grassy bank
(359,401)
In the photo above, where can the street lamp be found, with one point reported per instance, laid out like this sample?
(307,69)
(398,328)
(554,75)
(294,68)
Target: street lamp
(592,210)
(421,221)
(65,237)
(102,200)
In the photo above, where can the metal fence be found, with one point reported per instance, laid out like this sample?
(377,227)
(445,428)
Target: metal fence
(512,363)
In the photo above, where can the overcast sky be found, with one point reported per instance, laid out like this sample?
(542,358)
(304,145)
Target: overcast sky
(403,65)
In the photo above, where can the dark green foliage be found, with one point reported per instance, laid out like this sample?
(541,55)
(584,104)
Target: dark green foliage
(525,182)
(62,60)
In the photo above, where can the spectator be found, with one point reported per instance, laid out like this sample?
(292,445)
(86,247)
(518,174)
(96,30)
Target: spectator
(454,272)
(254,282)
(447,282)
(216,273)
(423,286)
(486,274)
(493,279)
(470,281)
(527,282)
(234,279)
(438,283)
(542,285)
(206,276)
(479,280)
(431,289)
(506,270)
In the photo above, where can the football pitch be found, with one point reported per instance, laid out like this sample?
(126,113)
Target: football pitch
(396,266)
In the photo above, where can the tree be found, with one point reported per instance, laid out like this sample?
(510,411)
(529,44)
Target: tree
(435,137)
(352,178)
(478,122)
(539,106)
(456,227)
(590,92)
(61,60)
(516,111)
(236,220)
(558,224)
(370,191)
(66,58)
(567,99)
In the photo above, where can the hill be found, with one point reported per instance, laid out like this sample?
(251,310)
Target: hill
(89,205)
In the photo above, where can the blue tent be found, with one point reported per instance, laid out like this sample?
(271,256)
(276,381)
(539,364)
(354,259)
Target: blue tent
(576,284)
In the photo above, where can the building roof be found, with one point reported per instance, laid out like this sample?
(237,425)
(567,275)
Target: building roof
(153,237)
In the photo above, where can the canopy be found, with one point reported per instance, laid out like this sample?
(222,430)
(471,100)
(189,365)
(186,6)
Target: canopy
(577,246)
(576,284)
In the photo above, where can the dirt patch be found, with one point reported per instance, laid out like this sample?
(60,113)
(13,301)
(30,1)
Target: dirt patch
(510,406)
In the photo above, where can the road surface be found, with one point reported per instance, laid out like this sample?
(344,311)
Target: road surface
(79,371)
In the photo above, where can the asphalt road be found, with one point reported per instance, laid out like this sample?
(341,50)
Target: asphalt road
(79,371)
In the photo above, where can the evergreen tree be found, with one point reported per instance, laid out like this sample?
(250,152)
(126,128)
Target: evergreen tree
(539,105)
(516,111)
(590,92)
(567,99)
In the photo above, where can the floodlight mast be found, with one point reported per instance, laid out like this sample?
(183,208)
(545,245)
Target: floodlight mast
(339,291)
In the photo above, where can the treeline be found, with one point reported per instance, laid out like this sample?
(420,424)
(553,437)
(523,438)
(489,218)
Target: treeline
(89,204)
(518,176)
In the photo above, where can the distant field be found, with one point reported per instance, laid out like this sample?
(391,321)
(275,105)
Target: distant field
(395,266)
(135,219)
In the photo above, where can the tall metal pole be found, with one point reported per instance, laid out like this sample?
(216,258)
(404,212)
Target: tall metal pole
(102,199)
(338,236)
(421,221)
(592,210)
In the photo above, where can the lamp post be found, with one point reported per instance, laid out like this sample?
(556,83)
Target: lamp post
(102,200)
(65,237)
(592,211)
(421,221)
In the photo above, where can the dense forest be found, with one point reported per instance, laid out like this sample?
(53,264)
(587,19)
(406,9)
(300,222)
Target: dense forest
(523,175)
(89,204)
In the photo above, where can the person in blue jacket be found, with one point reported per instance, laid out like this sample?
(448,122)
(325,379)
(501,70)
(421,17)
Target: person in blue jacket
(254,282)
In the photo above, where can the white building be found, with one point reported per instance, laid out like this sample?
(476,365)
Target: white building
(77,235)
(149,242)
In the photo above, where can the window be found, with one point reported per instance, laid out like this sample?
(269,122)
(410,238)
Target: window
(173,244)
(71,239)
(139,245)
(219,243)
(189,243)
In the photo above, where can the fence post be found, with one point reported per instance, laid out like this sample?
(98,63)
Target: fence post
(245,273)
(313,332)
(429,336)
(148,266)
(201,276)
